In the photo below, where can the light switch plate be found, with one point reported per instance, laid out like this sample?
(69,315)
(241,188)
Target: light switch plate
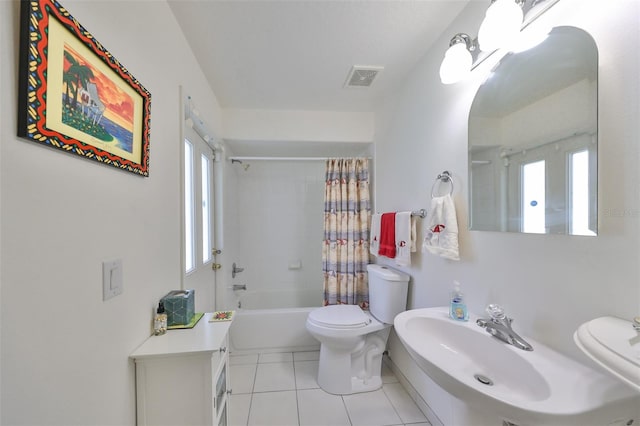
(111,279)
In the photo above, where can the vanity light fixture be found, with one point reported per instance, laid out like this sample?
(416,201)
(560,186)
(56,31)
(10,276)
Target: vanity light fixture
(530,39)
(458,59)
(501,24)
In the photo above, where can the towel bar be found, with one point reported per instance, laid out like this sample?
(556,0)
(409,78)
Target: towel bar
(422,213)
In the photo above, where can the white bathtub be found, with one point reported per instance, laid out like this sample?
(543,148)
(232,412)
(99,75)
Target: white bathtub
(271,330)
(277,298)
(271,321)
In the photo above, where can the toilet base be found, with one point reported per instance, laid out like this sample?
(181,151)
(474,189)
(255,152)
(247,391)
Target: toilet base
(346,385)
(345,372)
(369,385)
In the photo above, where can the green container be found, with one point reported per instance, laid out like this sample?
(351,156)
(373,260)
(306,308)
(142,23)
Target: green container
(179,306)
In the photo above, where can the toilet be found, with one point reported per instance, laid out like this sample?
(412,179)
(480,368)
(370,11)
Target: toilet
(352,340)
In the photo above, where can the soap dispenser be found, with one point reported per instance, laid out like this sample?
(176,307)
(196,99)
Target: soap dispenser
(160,321)
(457,306)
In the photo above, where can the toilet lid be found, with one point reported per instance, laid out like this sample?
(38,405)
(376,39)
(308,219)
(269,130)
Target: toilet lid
(340,316)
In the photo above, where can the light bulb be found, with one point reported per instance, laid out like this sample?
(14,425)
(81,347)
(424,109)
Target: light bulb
(456,64)
(530,39)
(500,26)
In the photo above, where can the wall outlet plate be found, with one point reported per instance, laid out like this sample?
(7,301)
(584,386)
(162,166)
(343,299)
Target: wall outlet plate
(111,279)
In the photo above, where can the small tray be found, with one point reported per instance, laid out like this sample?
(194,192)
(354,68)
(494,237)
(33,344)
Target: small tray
(194,320)
(222,316)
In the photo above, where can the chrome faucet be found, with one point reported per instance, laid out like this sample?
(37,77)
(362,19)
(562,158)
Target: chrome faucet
(499,326)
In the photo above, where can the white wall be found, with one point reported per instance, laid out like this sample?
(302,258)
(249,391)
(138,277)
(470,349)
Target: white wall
(64,350)
(549,284)
(298,126)
(279,225)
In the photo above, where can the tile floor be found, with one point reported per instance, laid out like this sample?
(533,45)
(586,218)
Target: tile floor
(280,389)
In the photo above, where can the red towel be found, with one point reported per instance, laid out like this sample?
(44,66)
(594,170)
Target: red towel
(388,235)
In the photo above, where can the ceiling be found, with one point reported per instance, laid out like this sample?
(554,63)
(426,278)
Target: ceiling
(296,55)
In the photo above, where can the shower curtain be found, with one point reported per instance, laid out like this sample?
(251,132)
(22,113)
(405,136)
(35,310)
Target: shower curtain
(345,252)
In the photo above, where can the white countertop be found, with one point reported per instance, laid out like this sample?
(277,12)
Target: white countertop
(204,337)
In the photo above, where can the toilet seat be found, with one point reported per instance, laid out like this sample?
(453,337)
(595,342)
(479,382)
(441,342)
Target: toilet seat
(340,316)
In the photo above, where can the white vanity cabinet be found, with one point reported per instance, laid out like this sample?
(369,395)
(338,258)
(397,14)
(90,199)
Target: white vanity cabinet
(182,377)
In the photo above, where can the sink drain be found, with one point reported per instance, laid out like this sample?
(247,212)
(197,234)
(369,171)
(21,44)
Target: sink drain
(483,379)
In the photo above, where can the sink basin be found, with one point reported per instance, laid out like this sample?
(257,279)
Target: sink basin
(538,387)
(613,344)
(469,354)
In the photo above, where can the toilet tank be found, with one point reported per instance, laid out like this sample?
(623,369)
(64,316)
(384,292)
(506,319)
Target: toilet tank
(387,292)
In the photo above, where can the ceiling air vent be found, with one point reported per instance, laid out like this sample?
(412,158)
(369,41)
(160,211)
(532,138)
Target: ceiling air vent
(361,76)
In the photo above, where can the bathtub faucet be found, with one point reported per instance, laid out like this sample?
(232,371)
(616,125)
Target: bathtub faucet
(499,326)
(239,287)
(235,269)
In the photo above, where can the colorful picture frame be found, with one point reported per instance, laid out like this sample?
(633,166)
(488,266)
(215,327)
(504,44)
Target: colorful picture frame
(75,96)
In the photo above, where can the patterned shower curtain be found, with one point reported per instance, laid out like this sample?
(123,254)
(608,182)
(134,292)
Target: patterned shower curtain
(345,252)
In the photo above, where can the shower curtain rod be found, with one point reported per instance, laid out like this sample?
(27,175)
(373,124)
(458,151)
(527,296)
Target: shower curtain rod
(287,158)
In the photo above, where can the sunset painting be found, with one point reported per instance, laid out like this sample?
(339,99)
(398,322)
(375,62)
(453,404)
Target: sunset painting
(93,104)
(75,96)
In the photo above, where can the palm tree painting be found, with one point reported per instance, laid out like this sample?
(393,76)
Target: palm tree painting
(68,81)
(78,75)
(75,96)
(93,104)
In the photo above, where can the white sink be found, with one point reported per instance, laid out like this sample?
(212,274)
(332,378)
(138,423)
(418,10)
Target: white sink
(539,387)
(613,344)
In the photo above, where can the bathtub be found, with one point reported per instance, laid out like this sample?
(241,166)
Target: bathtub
(278,298)
(279,328)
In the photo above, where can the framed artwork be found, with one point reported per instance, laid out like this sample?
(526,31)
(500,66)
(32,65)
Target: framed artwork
(75,96)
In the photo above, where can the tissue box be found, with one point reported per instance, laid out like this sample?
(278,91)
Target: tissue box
(179,306)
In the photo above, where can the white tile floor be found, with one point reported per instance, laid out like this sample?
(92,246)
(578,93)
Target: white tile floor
(280,389)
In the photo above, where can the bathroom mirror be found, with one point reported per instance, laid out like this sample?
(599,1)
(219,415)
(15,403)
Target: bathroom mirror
(533,140)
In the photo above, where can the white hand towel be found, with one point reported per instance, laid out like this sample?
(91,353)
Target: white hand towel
(441,235)
(405,238)
(374,235)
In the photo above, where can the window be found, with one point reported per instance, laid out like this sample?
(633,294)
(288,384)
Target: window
(206,208)
(189,210)
(197,209)
(533,197)
(579,193)
(198,204)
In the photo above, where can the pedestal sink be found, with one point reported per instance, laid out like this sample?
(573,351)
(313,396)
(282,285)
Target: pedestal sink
(537,387)
(614,344)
